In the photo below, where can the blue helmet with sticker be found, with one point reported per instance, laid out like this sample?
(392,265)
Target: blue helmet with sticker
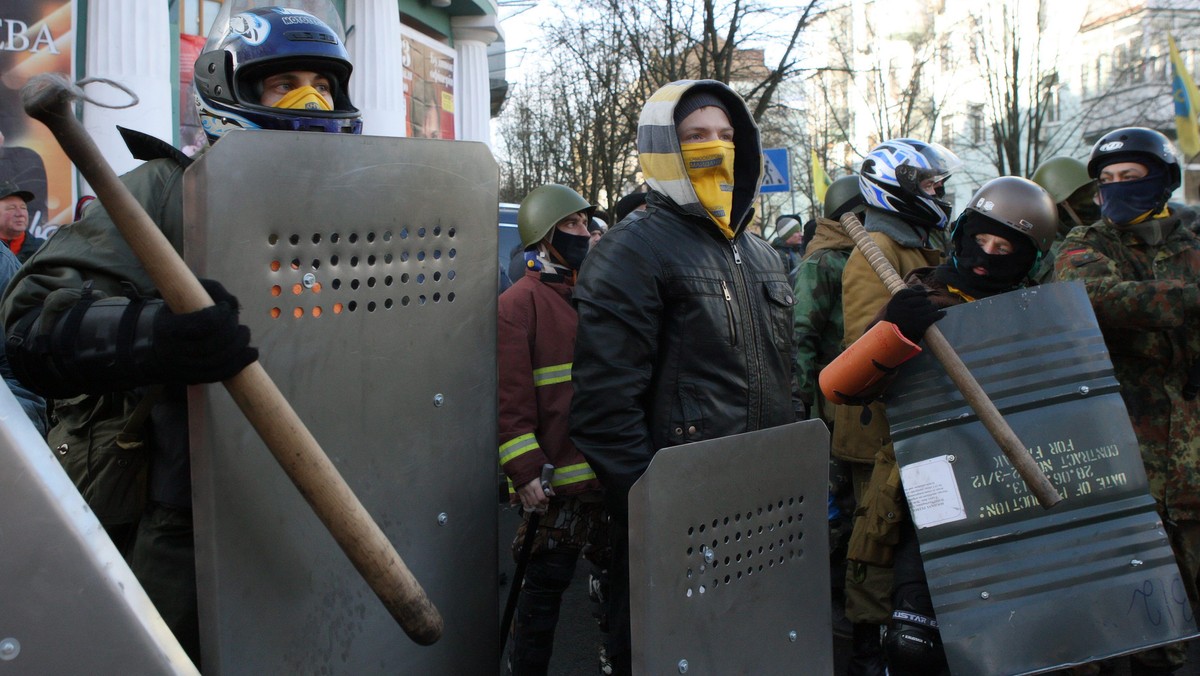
(257,44)
(905,176)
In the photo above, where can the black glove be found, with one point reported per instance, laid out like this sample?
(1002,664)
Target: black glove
(912,312)
(205,346)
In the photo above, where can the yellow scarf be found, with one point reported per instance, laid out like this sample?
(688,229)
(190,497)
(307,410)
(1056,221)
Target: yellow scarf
(710,168)
(303,98)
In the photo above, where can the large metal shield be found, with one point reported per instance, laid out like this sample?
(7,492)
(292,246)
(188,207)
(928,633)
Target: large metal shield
(729,556)
(68,602)
(1006,575)
(366,270)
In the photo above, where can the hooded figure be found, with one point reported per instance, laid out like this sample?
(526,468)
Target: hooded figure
(684,319)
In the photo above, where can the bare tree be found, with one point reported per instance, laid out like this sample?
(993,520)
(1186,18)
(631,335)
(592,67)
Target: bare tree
(1020,84)
(894,90)
(604,58)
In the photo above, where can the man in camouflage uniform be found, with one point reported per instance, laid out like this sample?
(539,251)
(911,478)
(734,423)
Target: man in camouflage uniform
(1140,264)
(817,332)
(818,326)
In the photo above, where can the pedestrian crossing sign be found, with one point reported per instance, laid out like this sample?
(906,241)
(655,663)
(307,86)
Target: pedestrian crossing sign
(776,177)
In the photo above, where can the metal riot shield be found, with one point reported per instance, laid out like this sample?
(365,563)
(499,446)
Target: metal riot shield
(366,271)
(68,602)
(1017,588)
(729,556)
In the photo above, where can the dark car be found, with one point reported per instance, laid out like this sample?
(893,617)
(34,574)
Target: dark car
(509,240)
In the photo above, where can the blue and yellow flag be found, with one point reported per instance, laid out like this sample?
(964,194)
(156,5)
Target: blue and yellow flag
(1183,90)
(820,179)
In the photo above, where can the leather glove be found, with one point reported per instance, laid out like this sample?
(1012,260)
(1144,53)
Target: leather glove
(912,312)
(205,346)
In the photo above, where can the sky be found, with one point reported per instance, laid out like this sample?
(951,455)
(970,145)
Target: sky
(519,19)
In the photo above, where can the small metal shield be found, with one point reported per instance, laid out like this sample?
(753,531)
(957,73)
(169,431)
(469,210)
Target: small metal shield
(68,602)
(366,270)
(729,556)
(1005,574)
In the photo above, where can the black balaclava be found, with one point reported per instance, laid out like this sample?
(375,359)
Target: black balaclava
(1004,272)
(1130,202)
(572,248)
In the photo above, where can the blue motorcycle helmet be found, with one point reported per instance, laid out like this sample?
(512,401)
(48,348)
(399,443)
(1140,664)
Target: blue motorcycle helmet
(256,44)
(892,174)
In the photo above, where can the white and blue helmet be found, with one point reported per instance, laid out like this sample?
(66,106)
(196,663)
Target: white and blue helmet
(261,42)
(892,174)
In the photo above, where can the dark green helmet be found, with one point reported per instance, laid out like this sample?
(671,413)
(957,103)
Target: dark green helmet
(841,196)
(544,207)
(1061,176)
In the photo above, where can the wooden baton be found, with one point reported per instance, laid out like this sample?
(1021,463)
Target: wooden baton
(48,98)
(1039,484)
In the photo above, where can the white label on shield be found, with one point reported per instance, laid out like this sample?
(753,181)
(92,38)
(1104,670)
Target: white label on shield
(932,492)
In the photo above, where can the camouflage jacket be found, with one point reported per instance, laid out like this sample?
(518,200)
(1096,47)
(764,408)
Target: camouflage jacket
(817,317)
(1148,305)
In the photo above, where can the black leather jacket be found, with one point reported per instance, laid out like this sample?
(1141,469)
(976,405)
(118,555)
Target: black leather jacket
(683,336)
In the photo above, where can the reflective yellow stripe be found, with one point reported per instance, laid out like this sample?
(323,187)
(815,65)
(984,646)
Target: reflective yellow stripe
(517,447)
(550,375)
(565,476)
(572,474)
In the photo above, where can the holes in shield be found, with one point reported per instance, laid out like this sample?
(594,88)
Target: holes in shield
(338,273)
(734,547)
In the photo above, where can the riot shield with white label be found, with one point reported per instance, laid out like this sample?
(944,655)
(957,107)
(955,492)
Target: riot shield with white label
(1018,588)
(729,556)
(366,271)
(68,602)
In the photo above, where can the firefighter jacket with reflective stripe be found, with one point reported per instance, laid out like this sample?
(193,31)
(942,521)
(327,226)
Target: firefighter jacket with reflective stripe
(535,337)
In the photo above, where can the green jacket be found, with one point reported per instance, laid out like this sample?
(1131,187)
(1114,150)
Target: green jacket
(92,250)
(817,317)
(1147,302)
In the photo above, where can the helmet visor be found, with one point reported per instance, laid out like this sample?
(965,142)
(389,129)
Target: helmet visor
(926,178)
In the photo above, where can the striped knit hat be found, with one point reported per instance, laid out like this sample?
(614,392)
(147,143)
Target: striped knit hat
(661,158)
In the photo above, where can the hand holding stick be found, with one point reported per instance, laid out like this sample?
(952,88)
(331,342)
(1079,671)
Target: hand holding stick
(48,98)
(976,398)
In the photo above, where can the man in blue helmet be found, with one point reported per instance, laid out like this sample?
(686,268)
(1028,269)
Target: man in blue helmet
(902,182)
(86,326)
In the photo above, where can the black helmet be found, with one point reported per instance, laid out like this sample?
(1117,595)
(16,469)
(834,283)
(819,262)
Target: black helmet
(261,42)
(1136,144)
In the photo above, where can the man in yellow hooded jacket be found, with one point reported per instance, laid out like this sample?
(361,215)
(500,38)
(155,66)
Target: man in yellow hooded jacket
(684,318)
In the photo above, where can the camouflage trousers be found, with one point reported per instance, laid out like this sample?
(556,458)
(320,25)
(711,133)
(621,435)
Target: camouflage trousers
(568,528)
(868,587)
(570,522)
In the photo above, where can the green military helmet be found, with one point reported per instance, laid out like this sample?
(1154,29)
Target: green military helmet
(544,207)
(1061,176)
(841,196)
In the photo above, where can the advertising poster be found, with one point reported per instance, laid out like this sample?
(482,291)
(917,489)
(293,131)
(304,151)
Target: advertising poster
(35,37)
(428,86)
(191,136)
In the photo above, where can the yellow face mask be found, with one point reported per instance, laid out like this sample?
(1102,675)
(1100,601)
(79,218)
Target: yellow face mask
(710,167)
(303,98)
